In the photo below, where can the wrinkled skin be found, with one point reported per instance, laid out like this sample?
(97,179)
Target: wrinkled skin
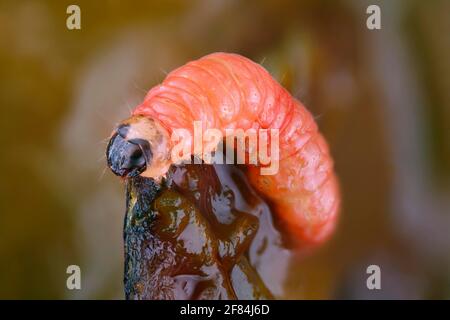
(185,239)
(223,91)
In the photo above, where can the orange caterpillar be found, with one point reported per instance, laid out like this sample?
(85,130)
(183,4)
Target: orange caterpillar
(228,91)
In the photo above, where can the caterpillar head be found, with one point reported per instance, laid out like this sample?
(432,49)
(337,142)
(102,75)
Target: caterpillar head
(139,146)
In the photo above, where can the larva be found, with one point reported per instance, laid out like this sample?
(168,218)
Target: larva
(229,91)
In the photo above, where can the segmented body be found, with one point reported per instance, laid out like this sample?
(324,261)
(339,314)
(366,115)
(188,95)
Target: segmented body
(228,91)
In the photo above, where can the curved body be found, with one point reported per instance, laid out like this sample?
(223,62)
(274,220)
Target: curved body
(228,91)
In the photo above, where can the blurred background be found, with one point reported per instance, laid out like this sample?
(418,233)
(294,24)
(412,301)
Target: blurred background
(381,98)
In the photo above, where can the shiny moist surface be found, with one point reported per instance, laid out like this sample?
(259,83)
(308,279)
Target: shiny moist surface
(196,236)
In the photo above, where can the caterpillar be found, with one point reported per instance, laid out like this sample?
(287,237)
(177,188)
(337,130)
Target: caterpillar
(228,91)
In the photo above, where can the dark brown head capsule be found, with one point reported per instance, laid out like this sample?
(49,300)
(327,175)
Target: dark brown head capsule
(127,158)
(139,146)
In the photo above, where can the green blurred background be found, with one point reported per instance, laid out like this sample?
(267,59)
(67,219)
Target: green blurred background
(382,99)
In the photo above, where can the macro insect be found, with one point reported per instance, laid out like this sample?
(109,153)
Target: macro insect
(223,91)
